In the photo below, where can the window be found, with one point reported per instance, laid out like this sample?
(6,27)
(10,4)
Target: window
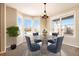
(31,25)
(28,25)
(19,23)
(68,25)
(64,26)
(36,25)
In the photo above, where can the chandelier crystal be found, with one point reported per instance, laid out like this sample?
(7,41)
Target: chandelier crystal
(45,13)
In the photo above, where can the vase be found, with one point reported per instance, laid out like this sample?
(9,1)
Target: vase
(44,34)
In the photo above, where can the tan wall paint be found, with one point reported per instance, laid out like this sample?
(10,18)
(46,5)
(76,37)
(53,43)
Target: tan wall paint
(11,20)
(2,28)
(11,16)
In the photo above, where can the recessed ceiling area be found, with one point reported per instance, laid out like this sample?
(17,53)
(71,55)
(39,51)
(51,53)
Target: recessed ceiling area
(37,9)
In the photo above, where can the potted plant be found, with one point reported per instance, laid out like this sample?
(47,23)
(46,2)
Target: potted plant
(12,31)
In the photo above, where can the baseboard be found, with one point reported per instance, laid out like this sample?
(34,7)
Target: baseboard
(2,52)
(19,43)
(8,47)
(16,44)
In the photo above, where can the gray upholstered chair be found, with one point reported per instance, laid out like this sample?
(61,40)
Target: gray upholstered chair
(55,34)
(36,39)
(52,41)
(32,46)
(35,34)
(56,47)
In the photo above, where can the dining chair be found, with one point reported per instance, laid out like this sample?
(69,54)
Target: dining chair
(52,41)
(56,47)
(35,34)
(32,46)
(55,34)
(36,39)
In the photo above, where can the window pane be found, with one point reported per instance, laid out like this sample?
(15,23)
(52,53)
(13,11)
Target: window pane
(28,24)
(36,25)
(68,25)
(19,22)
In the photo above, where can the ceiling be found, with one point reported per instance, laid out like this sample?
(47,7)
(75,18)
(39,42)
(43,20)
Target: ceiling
(36,9)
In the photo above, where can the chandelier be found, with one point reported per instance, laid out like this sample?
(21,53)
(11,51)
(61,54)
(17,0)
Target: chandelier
(45,13)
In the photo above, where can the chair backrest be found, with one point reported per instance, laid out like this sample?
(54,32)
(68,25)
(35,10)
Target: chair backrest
(35,34)
(59,43)
(28,41)
(55,34)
